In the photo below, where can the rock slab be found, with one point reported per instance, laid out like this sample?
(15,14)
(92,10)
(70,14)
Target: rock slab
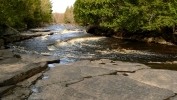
(166,79)
(97,80)
(103,88)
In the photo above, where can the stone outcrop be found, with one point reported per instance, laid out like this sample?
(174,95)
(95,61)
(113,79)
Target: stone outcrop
(15,68)
(99,80)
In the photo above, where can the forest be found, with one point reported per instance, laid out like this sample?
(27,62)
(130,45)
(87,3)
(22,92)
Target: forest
(24,13)
(67,17)
(128,15)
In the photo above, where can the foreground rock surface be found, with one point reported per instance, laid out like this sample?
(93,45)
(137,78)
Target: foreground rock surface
(15,68)
(98,80)
(160,78)
(103,88)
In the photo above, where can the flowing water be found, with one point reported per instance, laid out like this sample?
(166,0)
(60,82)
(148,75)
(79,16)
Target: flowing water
(71,43)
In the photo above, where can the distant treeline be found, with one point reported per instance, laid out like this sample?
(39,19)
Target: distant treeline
(67,17)
(25,13)
(128,15)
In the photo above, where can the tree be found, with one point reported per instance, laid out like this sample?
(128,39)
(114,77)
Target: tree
(68,15)
(130,15)
(21,13)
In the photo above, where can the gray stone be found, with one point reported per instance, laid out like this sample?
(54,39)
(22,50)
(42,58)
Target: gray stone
(71,74)
(96,71)
(118,65)
(37,59)
(18,72)
(103,88)
(61,74)
(173,98)
(113,87)
(166,79)
(58,92)
(112,65)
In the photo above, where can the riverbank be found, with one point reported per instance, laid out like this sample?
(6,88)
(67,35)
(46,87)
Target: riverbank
(10,38)
(148,37)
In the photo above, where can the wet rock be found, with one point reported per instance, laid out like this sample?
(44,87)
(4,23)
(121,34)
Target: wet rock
(44,33)
(166,79)
(39,30)
(103,88)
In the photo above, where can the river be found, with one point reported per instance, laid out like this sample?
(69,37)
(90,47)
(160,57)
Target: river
(72,43)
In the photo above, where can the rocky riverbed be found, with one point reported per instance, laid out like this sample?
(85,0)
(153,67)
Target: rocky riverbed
(29,77)
(90,68)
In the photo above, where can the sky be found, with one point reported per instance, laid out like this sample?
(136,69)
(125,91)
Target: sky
(61,5)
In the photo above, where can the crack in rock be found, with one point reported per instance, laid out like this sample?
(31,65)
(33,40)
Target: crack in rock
(172,97)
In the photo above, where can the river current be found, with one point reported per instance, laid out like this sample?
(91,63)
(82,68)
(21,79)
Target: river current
(72,43)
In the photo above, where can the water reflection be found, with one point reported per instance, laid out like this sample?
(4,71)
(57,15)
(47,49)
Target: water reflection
(51,65)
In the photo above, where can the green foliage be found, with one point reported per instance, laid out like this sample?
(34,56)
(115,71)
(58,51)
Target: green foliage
(130,15)
(21,13)
(68,15)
